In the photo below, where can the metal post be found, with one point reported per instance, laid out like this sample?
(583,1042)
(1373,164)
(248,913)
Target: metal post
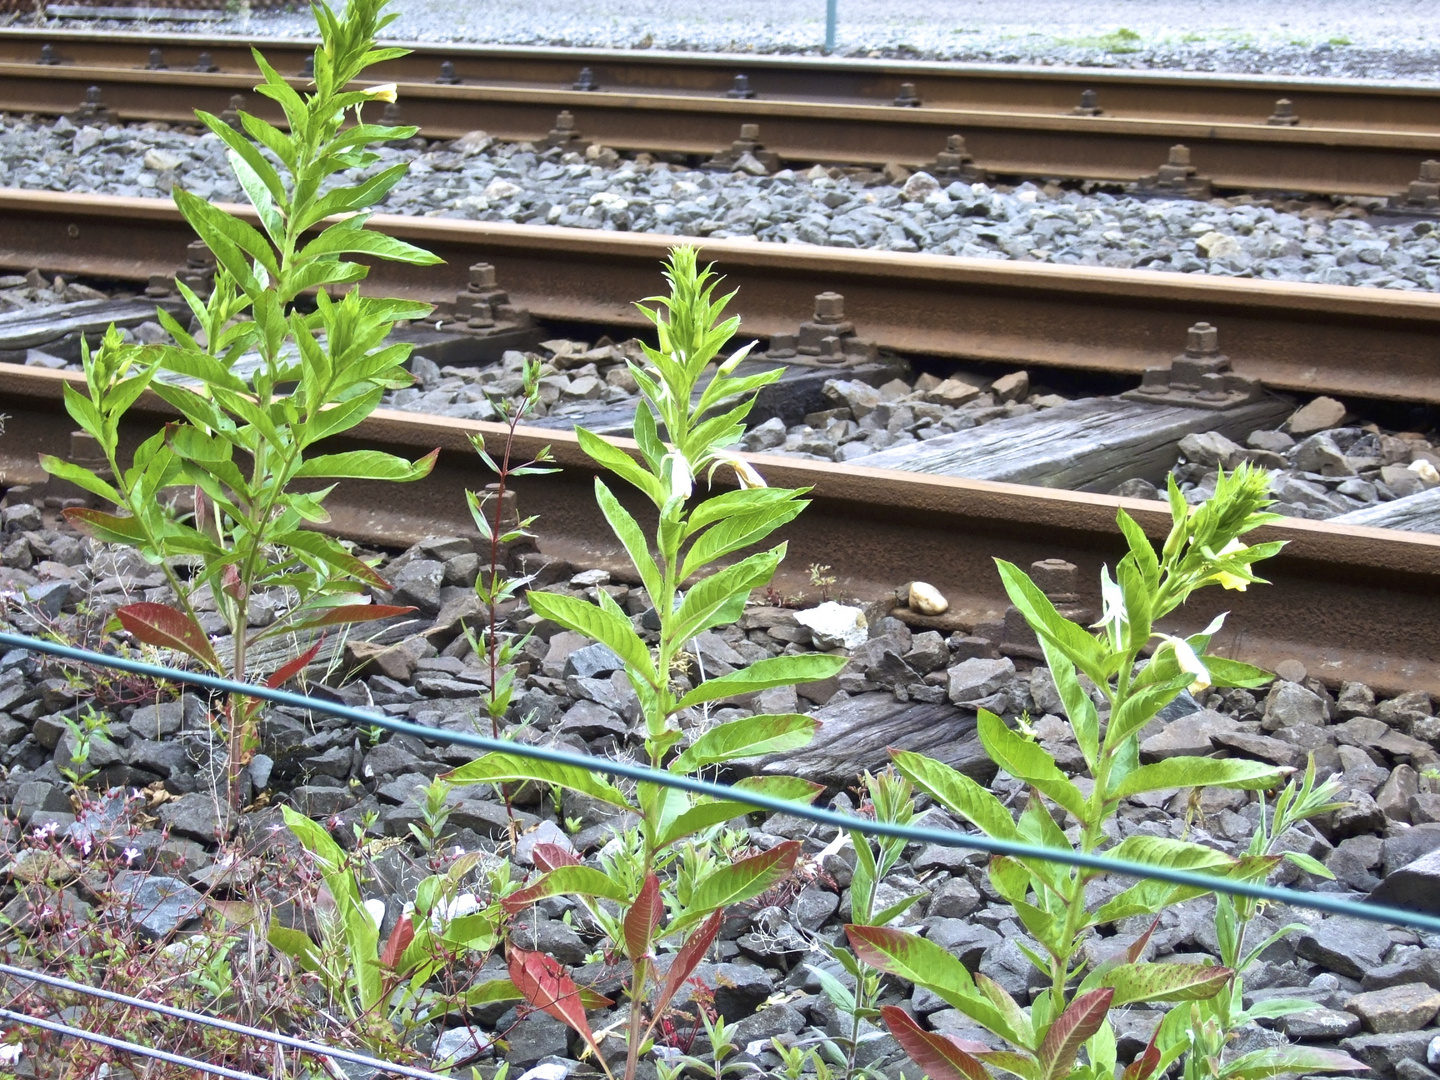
(830,17)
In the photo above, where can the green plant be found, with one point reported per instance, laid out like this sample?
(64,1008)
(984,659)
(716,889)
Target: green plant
(1070,1015)
(247,447)
(380,987)
(892,801)
(1206,1028)
(434,814)
(494,586)
(722,1047)
(627,899)
(83,733)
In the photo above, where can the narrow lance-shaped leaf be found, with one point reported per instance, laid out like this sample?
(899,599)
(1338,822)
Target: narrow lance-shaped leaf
(545,986)
(687,959)
(935,1053)
(1070,1031)
(642,919)
(737,882)
(168,628)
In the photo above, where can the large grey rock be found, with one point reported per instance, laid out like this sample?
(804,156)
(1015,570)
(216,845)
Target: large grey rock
(978,678)
(1407,1007)
(1319,1025)
(418,583)
(156,905)
(592,660)
(1289,704)
(200,815)
(1415,886)
(1384,1053)
(1345,946)
(1188,736)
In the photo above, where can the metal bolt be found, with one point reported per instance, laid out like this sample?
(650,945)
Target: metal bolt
(907,98)
(156,61)
(749,132)
(198,255)
(829,307)
(565,121)
(307,69)
(955,144)
(1430,171)
(1179,155)
(586,81)
(237,101)
(1284,114)
(1054,577)
(741,89)
(85,447)
(92,96)
(390,116)
(447,73)
(1088,99)
(482,276)
(1202,339)
(47,55)
(205,62)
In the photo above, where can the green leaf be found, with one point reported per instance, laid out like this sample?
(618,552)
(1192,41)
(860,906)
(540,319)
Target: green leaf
(79,476)
(615,460)
(739,531)
(763,674)
(750,736)
(603,626)
(926,964)
(1279,1060)
(495,768)
(958,792)
(1028,761)
(1275,1008)
(712,600)
(350,237)
(367,465)
(1184,772)
(295,944)
(707,812)
(1082,648)
(1165,982)
(1079,708)
(627,530)
(340,417)
(736,882)
(1225,672)
(567,881)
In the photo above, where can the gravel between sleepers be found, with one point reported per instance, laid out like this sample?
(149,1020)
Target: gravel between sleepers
(479,179)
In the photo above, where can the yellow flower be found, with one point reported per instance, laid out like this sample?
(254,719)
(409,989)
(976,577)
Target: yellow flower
(383,92)
(1189,663)
(1224,577)
(744,471)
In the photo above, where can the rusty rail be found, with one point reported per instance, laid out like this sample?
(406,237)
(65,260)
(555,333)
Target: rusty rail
(1371,343)
(1349,603)
(1353,138)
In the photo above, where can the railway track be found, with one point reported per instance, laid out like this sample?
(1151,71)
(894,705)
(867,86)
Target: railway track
(1300,337)
(1350,139)
(1350,602)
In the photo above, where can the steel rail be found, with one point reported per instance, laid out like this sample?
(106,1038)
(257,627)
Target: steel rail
(1350,603)
(1026,139)
(1331,905)
(189,1016)
(1372,343)
(1168,95)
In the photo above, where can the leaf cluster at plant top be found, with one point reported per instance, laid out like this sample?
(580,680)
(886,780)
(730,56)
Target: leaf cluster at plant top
(244,449)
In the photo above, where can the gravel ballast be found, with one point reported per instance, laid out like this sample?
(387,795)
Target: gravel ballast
(478,179)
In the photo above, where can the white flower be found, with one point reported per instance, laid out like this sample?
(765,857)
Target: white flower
(1115,617)
(744,471)
(383,92)
(682,483)
(1224,577)
(10,1053)
(130,854)
(1189,662)
(376,910)
(44,832)
(448,910)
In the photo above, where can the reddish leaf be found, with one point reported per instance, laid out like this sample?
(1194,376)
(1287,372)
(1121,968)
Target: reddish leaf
(1143,1067)
(548,856)
(231,583)
(201,505)
(399,941)
(937,1055)
(346,614)
(1137,947)
(542,982)
(642,918)
(108,527)
(1070,1030)
(286,672)
(688,958)
(169,628)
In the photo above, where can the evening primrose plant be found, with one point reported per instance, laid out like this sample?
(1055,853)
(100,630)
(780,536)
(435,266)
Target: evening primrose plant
(658,888)
(268,379)
(1065,1031)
